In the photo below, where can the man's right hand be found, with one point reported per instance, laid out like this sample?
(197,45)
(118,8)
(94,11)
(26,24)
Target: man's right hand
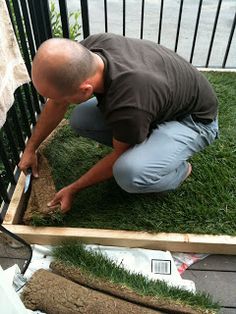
(51,115)
(29,160)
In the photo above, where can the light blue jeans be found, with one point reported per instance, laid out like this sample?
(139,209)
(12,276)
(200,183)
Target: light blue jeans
(160,162)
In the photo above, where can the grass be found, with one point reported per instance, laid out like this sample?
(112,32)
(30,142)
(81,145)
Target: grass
(204,204)
(96,265)
(39,219)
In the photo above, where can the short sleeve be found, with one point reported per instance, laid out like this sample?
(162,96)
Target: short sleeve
(130,125)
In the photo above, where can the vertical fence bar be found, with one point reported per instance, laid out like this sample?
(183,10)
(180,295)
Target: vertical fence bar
(105,15)
(33,15)
(46,11)
(11,140)
(3,191)
(160,21)
(6,162)
(229,42)
(64,18)
(85,17)
(213,33)
(40,18)
(28,27)
(44,18)
(179,23)
(35,97)
(23,111)
(11,17)
(32,42)
(124,17)
(22,35)
(196,29)
(35,20)
(30,105)
(12,112)
(142,19)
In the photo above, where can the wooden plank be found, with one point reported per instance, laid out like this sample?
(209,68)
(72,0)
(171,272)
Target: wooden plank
(221,285)
(14,209)
(162,241)
(216,263)
(216,70)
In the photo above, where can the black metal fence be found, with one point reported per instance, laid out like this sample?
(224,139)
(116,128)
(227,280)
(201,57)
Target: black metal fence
(32,26)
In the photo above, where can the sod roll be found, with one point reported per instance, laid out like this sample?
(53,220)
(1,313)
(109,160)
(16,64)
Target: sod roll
(54,294)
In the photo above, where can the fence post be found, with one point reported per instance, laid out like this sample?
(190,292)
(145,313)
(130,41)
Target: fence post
(33,15)
(196,29)
(85,17)
(160,22)
(213,33)
(229,41)
(179,23)
(3,192)
(64,18)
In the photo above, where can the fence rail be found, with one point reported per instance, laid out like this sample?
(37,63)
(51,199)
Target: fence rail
(32,26)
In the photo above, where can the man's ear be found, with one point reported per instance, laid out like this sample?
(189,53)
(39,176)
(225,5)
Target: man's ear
(86,88)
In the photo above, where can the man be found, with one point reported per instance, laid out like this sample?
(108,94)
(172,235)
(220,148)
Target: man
(150,105)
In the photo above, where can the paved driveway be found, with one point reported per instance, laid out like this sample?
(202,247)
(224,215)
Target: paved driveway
(169,25)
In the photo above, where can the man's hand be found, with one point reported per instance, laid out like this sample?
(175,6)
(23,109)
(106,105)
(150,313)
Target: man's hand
(64,198)
(29,160)
(52,114)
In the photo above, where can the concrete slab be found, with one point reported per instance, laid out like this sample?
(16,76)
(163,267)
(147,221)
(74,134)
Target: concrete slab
(11,248)
(12,252)
(216,263)
(8,262)
(227,311)
(221,285)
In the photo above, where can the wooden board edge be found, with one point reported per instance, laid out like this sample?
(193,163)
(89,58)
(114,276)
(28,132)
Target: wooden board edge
(15,207)
(232,70)
(174,242)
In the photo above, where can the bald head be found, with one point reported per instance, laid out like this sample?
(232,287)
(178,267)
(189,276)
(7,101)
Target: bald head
(61,64)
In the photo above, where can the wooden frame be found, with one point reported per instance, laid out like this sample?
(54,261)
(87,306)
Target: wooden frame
(175,242)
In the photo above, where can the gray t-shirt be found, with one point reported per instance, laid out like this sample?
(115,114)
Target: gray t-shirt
(147,84)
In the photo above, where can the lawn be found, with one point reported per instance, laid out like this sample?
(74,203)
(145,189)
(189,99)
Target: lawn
(205,203)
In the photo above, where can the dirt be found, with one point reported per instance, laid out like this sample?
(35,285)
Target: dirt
(54,294)
(155,303)
(42,191)
(42,188)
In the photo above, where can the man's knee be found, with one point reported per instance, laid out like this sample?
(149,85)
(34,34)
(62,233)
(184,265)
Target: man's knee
(80,120)
(84,115)
(74,120)
(132,177)
(125,174)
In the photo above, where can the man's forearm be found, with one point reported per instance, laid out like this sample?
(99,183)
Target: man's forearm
(50,117)
(102,171)
(98,173)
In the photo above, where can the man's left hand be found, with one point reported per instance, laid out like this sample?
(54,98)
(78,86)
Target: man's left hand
(64,198)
